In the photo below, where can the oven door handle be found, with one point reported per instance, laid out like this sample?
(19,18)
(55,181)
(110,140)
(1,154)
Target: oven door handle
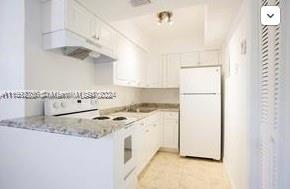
(130,172)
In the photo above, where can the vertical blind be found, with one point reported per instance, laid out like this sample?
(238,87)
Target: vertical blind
(270,43)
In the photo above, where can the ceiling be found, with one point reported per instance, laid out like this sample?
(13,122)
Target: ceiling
(205,22)
(187,23)
(114,10)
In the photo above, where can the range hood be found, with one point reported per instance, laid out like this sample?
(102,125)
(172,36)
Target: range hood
(76,46)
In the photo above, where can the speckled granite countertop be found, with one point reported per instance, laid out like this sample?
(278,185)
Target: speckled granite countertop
(140,115)
(66,126)
(81,127)
(154,106)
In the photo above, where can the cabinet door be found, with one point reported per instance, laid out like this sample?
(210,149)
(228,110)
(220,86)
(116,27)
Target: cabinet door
(125,67)
(170,134)
(148,137)
(154,72)
(106,36)
(140,143)
(141,61)
(170,130)
(95,30)
(172,70)
(209,58)
(190,59)
(157,131)
(79,20)
(148,143)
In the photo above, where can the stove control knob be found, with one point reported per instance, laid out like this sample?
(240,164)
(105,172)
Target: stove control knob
(55,105)
(63,104)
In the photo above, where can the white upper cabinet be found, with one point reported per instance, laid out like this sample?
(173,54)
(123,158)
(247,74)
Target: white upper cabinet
(107,36)
(154,68)
(200,58)
(125,66)
(209,58)
(72,16)
(78,19)
(172,69)
(190,59)
(130,68)
(95,30)
(136,67)
(141,61)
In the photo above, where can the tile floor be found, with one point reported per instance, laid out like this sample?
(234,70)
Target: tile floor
(169,171)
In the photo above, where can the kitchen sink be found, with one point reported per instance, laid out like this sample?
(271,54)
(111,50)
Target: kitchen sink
(142,110)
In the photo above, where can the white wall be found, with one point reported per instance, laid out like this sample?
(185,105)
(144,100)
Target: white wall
(128,28)
(11,55)
(240,102)
(170,96)
(50,70)
(178,46)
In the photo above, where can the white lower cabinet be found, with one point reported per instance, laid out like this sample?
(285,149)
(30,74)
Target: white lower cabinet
(141,145)
(150,136)
(148,140)
(170,130)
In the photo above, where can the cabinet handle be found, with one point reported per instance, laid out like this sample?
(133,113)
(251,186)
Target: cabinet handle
(96,37)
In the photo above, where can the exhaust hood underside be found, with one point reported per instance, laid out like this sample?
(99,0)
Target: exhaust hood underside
(76,46)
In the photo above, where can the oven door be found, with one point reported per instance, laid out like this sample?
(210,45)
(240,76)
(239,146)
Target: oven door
(129,154)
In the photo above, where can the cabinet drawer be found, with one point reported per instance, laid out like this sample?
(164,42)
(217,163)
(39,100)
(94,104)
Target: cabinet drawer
(170,115)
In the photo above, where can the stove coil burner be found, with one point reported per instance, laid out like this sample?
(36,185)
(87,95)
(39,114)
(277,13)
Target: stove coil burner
(119,118)
(101,118)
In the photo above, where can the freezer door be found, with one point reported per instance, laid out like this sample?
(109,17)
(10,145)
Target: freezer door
(200,126)
(200,80)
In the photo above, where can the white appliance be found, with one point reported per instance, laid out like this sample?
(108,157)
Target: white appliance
(83,109)
(125,139)
(200,112)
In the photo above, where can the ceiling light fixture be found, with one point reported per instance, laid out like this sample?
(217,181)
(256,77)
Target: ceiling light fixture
(165,17)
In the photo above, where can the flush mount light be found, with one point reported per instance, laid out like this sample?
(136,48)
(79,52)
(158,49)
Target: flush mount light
(165,17)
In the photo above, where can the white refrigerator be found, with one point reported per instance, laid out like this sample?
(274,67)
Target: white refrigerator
(200,112)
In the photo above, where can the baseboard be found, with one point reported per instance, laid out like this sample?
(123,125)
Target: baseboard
(173,150)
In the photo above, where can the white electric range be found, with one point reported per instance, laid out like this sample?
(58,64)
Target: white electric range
(82,109)
(89,109)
